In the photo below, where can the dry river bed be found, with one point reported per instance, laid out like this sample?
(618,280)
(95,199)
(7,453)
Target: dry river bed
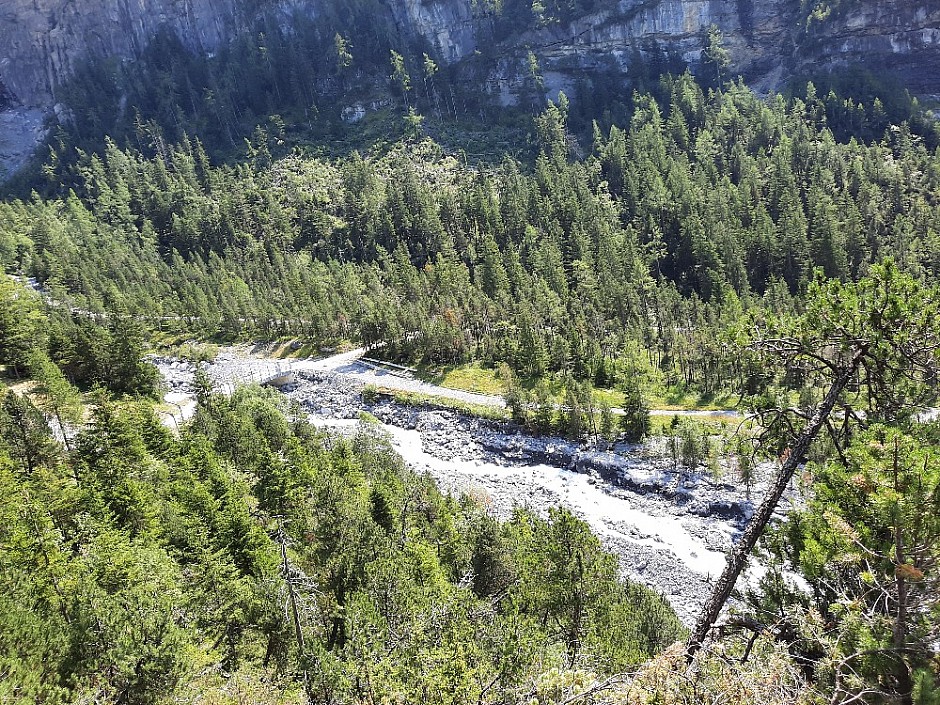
(669,528)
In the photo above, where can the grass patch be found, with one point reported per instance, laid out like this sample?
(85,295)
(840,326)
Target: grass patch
(717,426)
(162,340)
(474,377)
(608,397)
(304,351)
(415,399)
(291,348)
(681,399)
(299,349)
(368,419)
(465,378)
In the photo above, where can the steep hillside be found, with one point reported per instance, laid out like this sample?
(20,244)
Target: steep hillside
(493,52)
(42,41)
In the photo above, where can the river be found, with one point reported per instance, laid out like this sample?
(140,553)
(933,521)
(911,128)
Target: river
(668,527)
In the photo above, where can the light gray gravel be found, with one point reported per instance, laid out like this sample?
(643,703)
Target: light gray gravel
(669,528)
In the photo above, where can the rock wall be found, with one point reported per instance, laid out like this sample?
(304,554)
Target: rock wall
(768,40)
(446,25)
(900,35)
(42,41)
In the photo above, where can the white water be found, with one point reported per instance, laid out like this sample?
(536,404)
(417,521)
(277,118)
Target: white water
(661,543)
(615,516)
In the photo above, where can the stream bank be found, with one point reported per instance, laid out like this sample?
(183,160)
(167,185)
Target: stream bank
(670,528)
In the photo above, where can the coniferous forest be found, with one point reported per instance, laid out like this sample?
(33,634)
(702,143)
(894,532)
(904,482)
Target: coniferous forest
(687,236)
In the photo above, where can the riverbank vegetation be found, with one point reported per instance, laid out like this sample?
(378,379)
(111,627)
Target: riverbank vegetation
(140,567)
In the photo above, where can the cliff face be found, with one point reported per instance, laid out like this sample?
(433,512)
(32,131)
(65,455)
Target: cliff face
(902,35)
(447,25)
(42,41)
(768,40)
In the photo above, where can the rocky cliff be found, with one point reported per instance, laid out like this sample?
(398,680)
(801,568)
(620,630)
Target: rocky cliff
(768,40)
(41,41)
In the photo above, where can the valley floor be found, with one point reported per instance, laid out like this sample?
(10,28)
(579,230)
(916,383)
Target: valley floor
(669,528)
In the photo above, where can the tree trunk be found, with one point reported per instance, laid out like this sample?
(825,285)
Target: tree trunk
(65,438)
(739,554)
(899,637)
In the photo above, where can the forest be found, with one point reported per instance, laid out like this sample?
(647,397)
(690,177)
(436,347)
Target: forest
(688,239)
(137,558)
(640,256)
(252,558)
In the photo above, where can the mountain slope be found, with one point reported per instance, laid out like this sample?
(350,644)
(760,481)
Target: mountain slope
(43,41)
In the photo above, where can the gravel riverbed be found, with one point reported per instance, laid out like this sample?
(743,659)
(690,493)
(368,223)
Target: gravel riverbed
(669,528)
